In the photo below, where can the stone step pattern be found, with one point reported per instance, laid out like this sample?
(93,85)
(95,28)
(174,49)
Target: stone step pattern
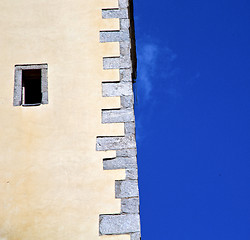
(128,221)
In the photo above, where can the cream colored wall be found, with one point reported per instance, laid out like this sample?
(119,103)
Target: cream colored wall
(52,183)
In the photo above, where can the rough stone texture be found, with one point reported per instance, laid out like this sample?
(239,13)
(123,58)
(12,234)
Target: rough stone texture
(116,89)
(125,62)
(45,99)
(125,49)
(117,116)
(17,100)
(114,36)
(120,163)
(116,62)
(125,75)
(124,24)
(111,63)
(115,143)
(130,205)
(132,174)
(128,221)
(127,101)
(123,3)
(126,189)
(119,224)
(129,128)
(136,236)
(124,35)
(126,152)
(115,13)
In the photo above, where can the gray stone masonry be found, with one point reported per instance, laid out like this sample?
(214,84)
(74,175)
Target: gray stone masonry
(118,116)
(125,50)
(116,62)
(119,224)
(115,13)
(120,163)
(45,99)
(124,25)
(111,63)
(125,75)
(115,143)
(126,153)
(130,205)
(124,3)
(131,173)
(17,99)
(128,221)
(127,101)
(116,89)
(114,36)
(136,236)
(129,128)
(126,188)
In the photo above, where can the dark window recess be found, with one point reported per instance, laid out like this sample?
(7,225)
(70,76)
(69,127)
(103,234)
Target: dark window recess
(31,86)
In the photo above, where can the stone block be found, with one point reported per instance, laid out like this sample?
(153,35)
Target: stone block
(115,13)
(120,163)
(127,101)
(135,236)
(123,3)
(124,24)
(125,61)
(119,224)
(118,116)
(125,75)
(126,153)
(129,128)
(125,48)
(17,101)
(130,205)
(132,173)
(114,36)
(126,189)
(124,35)
(116,89)
(111,63)
(117,62)
(115,143)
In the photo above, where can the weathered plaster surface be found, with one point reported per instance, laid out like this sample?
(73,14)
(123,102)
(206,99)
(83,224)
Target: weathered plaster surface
(52,181)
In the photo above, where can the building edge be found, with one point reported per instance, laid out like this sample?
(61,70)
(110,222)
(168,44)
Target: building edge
(128,221)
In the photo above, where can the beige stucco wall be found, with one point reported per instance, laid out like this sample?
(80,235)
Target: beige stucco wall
(52,182)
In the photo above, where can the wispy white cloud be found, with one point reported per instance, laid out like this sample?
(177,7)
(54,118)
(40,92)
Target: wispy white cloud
(156,76)
(159,79)
(156,68)
(147,61)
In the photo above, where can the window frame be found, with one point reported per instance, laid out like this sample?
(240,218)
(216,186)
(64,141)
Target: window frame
(18,91)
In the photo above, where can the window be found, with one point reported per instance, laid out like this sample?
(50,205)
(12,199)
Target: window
(31,85)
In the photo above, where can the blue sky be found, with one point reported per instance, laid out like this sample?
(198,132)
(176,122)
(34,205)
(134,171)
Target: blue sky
(193,116)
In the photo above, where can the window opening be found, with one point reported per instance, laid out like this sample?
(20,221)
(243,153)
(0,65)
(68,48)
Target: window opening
(31,87)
